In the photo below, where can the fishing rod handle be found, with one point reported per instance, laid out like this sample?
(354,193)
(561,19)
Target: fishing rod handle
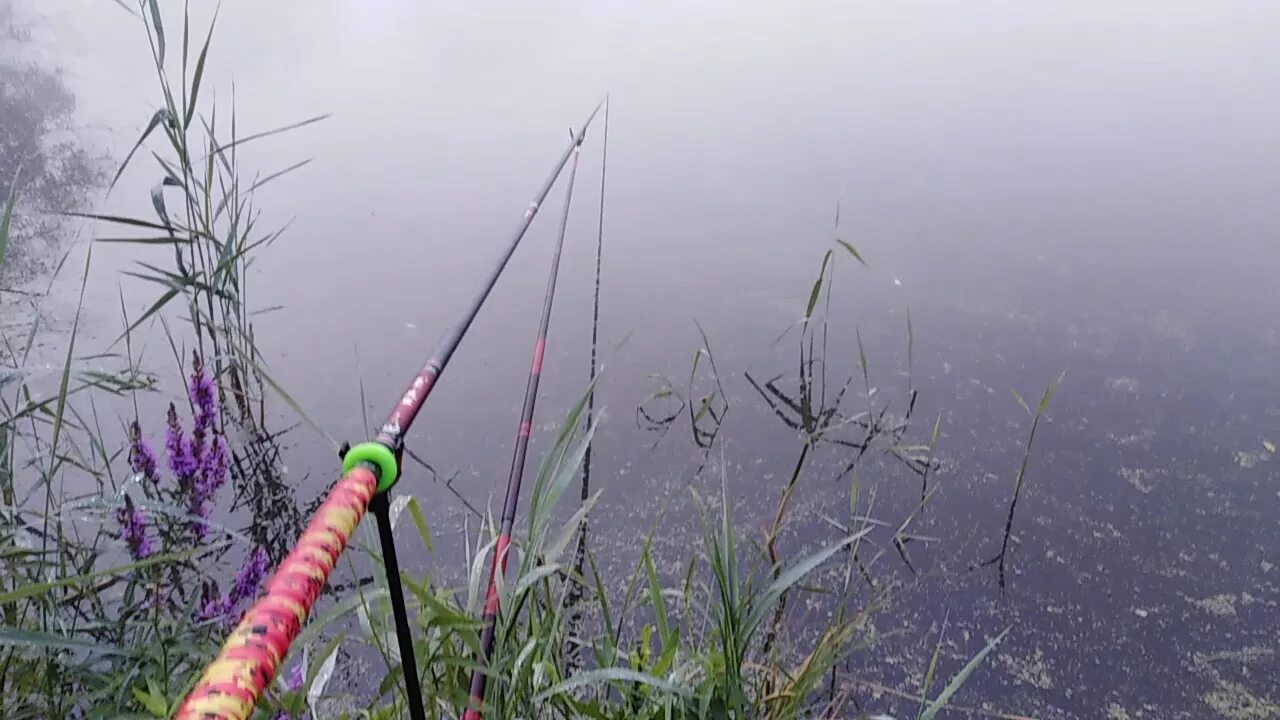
(253,653)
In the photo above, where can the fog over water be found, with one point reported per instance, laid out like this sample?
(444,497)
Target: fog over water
(1078,186)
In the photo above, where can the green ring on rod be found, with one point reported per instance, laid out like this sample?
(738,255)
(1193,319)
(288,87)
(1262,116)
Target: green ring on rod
(378,455)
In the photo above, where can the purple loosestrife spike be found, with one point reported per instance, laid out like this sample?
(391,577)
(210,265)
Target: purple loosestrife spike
(142,459)
(204,400)
(181,462)
(250,576)
(213,469)
(214,605)
(209,478)
(133,530)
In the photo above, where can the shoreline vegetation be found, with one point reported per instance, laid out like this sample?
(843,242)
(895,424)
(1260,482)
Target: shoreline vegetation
(115,595)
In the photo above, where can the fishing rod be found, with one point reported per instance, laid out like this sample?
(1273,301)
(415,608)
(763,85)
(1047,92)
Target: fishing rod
(255,649)
(595,338)
(574,595)
(501,551)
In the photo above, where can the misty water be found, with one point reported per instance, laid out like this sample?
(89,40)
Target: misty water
(1046,187)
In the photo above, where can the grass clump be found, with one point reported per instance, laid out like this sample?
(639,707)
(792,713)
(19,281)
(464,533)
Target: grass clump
(116,579)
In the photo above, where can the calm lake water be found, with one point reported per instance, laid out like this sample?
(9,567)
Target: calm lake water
(1046,186)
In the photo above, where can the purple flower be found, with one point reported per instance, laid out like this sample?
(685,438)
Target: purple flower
(297,675)
(209,477)
(250,577)
(133,530)
(181,460)
(199,526)
(212,472)
(142,459)
(293,682)
(199,461)
(214,605)
(204,398)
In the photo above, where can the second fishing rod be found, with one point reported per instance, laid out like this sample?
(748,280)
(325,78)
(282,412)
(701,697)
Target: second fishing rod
(391,435)
(502,548)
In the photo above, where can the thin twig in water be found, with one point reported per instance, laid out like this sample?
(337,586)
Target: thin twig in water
(976,712)
(1022,474)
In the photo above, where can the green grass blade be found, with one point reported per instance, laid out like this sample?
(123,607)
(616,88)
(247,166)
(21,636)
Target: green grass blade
(1022,401)
(159,27)
(655,595)
(568,471)
(911,347)
(605,675)
(25,591)
(35,323)
(151,700)
(1049,393)
(320,660)
(65,383)
(852,251)
(12,637)
(259,183)
(267,133)
(420,521)
(609,652)
(929,675)
(792,575)
(199,74)
(476,574)
(156,306)
(7,217)
(156,119)
(186,37)
(817,286)
(126,8)
(862,358)
(164,240)
(730,548)
(317,625)
(532,578)
(558,466)
(118,220)
(551,552)
(961,678)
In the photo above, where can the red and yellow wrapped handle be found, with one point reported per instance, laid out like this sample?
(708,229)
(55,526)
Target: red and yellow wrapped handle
(233,682)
